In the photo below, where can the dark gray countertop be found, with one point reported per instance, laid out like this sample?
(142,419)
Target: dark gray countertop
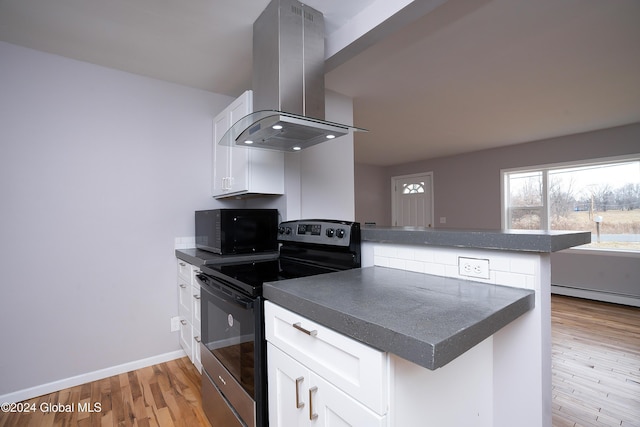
(508,240)
(429,320)
(199,257)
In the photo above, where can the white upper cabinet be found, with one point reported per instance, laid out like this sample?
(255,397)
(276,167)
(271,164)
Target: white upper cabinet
(237,170)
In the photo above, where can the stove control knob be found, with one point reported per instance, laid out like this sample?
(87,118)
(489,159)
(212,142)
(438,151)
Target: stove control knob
(340,233)
(287,230)
(280,230)
(330,232)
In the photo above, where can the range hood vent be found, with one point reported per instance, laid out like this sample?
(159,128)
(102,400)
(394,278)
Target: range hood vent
(288,82)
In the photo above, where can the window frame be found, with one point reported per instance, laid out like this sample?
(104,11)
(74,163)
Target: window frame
(505,211)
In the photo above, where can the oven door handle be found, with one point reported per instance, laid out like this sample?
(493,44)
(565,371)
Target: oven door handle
(221,293)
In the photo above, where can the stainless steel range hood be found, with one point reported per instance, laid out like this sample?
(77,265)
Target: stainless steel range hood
(288,82)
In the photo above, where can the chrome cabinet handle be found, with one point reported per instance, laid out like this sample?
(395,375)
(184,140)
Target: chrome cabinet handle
(197,339)
(312,416)
(227,183)
(183,286)
(196,296)
(298,403)
(182,264)
(299,327)
(184,322)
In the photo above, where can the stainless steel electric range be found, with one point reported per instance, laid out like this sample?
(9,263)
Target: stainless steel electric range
(233,347)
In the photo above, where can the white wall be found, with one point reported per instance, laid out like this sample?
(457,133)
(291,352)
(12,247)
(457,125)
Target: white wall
(100,171)
(327,169)
(467,193)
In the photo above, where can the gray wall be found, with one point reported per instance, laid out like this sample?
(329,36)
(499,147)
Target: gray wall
(100,171)
(467,193)
(372,194)
(327,169)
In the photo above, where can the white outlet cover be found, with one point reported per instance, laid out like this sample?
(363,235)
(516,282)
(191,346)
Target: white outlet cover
(175,324)
(474,267)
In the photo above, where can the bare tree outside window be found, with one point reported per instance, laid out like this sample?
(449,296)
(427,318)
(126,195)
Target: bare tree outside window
(573,198)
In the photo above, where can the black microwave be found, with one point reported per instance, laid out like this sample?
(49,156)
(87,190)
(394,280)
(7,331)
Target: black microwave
(237,231)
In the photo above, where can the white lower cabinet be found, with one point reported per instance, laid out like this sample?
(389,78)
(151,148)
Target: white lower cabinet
(189,311)
(321,378)
(300,397)
(196,324)
(186,337)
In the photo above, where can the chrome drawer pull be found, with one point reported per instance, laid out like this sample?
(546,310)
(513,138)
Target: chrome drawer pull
(183,286)
(196,296)
(312,416)
(197,339)
(184,322)
(299,327)
(298,403)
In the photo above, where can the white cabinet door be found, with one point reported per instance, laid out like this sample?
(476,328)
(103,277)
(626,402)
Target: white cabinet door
(221,154)
(300,397)
(239,157)
(288,389)
(186,337)
(189,311)
(196,320)
(230,163)
(333,408)
(184,299)
(238,170)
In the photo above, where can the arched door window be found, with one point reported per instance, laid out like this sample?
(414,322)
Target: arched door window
(414,188)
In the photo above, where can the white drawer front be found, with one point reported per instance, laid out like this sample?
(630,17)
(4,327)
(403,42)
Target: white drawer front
(184,270)
(185,299)
(195,305)
(355,368)
(186,337)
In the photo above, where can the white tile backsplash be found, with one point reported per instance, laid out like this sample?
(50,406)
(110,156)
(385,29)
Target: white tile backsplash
(505,268)
(417,266)
(513,279)
(185,242)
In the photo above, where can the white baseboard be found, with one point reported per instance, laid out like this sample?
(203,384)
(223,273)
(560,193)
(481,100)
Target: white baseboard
(29,393)
(595,295)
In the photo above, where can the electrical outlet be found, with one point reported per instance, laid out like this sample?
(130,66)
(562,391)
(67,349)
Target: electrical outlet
(175,324)
(473,267)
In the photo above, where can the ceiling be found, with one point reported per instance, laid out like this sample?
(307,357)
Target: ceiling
(437,78)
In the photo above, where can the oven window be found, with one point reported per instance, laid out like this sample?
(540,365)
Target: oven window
(228,330)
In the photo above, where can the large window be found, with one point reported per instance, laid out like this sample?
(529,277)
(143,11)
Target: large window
(601,196)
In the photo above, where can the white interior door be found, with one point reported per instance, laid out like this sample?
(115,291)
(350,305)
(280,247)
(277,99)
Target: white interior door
(412,198)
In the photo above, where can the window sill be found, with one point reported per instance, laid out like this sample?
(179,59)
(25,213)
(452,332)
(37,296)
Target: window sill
(602,252)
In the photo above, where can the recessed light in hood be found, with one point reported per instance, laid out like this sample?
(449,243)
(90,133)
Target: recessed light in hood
(276,130)
(288,82)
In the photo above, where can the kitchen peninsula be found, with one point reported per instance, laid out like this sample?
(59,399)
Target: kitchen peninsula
(461,320)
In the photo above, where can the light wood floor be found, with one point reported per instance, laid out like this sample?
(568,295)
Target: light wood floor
(595,363)
(596,379)
(163,395)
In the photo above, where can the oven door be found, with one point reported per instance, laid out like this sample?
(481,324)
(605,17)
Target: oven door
(232,348)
